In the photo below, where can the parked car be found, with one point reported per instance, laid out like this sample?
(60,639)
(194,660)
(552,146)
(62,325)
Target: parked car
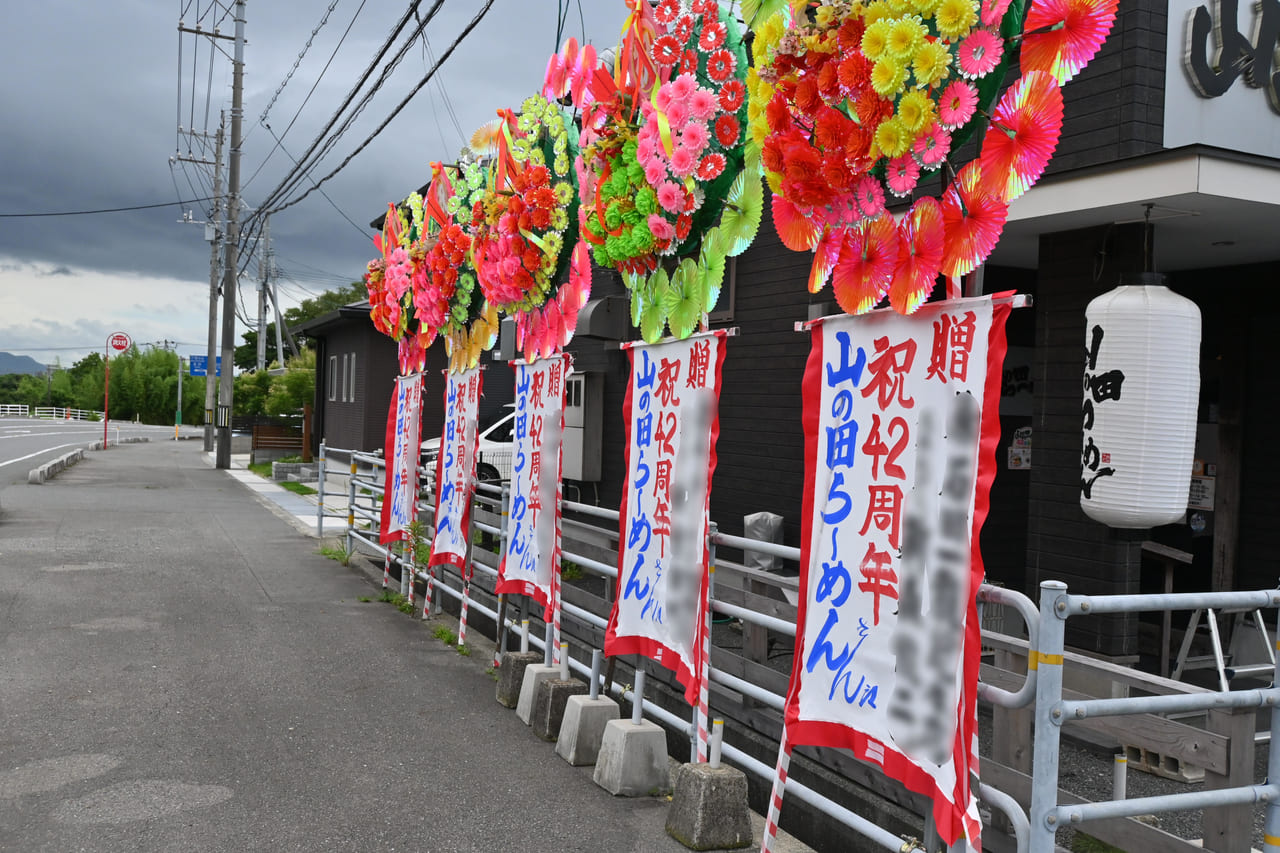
(493,460)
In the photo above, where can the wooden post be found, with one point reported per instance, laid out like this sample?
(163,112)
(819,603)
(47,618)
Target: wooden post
(1013,747)
(306,432)
(1231,828)
(1226,497)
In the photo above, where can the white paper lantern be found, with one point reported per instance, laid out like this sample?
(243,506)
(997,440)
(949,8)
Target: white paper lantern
(1141,393)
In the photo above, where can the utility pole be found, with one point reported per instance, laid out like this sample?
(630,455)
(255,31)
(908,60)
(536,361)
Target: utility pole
(211,354)
(231,260)
(264,272)
(177,418)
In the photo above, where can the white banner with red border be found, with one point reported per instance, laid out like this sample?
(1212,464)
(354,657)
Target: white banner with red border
(531,556)
(672,418)
(403,437)
(901,419)
(456,468)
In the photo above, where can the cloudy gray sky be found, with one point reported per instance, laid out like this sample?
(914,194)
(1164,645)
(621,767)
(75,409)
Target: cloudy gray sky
(91,103)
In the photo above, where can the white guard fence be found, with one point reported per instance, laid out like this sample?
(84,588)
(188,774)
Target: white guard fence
(56,413)
(1022,682)
(14,410)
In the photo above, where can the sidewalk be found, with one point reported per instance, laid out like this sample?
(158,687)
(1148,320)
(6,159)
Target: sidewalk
(182,671)
(299,510)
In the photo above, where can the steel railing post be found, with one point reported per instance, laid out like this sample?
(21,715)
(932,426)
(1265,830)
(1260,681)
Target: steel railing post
(351,504)
(1047,660)
(320,496)
(1271,828)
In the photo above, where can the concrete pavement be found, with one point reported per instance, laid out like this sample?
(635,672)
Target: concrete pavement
(179,670)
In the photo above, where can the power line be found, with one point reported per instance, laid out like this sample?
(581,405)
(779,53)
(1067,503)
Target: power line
(285,82)
(104,209)
(399,107)
(341,213)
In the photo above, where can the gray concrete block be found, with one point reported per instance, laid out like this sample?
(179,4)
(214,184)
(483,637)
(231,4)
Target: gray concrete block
(583,728)
(549,704)
(633,759)
(534,675)
(36,476)
(511,675)
(709,808)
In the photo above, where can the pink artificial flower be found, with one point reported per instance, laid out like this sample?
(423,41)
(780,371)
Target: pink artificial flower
(979,54)
(682,87)
(654,172)
(645,148)
(695,136)
(670,196)
(870,196)
(702,104)
(932,146)
(660,227)
(683,161)
(662,100)
(901,174)
(678,114)
(956,107)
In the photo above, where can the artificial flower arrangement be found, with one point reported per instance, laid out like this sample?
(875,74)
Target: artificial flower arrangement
(662,154)
(471,323)
(392,281)
(524,228)
(854,104)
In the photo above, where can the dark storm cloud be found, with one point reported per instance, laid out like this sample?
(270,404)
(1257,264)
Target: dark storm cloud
(90,106)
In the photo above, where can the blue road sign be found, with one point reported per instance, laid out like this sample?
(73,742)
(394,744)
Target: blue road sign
(200,365)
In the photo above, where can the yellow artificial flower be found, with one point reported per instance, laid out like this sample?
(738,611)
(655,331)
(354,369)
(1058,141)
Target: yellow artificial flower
(825,16)
(875,40)
(892,138)
(915,109)
(898,7)
(905,35)
(877,11)
(774,180)
(930,64)
(767,37)
(955,18)
(887,76)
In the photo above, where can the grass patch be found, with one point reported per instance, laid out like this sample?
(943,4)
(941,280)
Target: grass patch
(570,571)
(492,672)
(297,488)
(262,469)
(293,458)
(1088,844)
(465,651)
(363,599)
(444,635)
(337,552)
(398,601)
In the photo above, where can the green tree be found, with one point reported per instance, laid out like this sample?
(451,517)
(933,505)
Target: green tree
(246,355)
(294,388)
(250,394)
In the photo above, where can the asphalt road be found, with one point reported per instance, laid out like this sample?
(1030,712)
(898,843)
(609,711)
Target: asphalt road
(181,671)
(28,442)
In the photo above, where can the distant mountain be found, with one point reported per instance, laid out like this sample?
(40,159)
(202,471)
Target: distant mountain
(10,363)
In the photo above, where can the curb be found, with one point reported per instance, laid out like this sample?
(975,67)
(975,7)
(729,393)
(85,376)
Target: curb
(54,467)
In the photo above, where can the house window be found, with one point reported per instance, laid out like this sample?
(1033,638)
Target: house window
(723,309)
(346,370)
(351,380)
(333,378)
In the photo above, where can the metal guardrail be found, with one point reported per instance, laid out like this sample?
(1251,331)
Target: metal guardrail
(14,410)
(1037,688)
(64,413)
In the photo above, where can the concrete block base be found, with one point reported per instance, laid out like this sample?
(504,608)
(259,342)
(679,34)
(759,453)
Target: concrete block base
(511,676)
(549,704)
(633,759)
(709,808)
(583,728)
(534,675)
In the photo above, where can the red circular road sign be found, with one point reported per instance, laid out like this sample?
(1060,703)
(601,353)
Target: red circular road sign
(119,341)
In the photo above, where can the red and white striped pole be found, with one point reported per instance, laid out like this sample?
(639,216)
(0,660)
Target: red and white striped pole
(386,569)
(462,613)
(555,614)
(775,796)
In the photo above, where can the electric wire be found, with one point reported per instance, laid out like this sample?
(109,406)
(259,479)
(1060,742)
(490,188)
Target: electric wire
(306,47)
(484,10)
(101,210)
(332,204)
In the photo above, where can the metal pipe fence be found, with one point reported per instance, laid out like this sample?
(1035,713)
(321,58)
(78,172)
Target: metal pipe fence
(14,410)
(591,539)
(57,413)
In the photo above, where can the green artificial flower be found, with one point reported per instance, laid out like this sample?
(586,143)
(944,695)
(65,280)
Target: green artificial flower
(613,215)
(632,217)
(564,192)
(559,219)
(646,201)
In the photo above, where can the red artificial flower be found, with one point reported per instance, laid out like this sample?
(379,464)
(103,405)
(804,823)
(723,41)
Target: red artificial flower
(689,62)
(684,29)
(731,96)
(854,72)
(721,65)
(667,11)
(690,202)
(771,154)
(683,224)
(532,259)
(711,166)
(835,172)
(807,98)
(777,113)
(849,36)
(712,36)
(704,7)
(829,82)
(728,130)
(666,51)
(872,109)
(830,128)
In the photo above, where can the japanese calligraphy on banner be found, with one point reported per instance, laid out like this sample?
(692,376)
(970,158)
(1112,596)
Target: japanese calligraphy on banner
(672,421)
(532,547)
(401,453)
(901,418)
(456,469)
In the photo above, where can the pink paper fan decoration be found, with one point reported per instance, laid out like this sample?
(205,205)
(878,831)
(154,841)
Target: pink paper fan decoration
(973,218)
(979,54)
(920,240)
(901,174)
(573,295)
(1023,134)
(932,147)
(862,275)
(869,196)
(1063,35)
(825,255)
(958,102)
(798,232)
(993,12)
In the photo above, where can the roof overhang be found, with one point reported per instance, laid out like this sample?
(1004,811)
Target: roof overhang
(1210,208)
